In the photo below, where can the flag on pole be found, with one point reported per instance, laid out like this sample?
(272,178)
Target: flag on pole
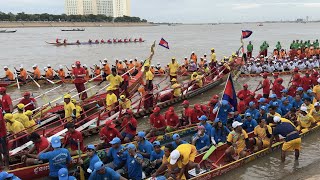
(164,43)
(246,34)
(230,93)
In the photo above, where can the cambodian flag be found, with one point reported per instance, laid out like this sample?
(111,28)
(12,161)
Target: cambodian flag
(164,43)
(230,93)
(246,34)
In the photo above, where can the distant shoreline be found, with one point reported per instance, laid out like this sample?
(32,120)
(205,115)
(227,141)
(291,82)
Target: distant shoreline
(69,24)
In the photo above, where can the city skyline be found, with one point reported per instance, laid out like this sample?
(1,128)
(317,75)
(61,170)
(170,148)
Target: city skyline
(204,11)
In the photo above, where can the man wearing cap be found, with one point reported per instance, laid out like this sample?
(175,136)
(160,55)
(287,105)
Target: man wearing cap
(245,92)
(308,95)
(36,72)
(253,110)
(201,140)
(111,101)
(277,87)
(196,113)
(241,107)
(176,87)
(124,103)
(297,102)
(133,162)
(265,85)
(108,132)
(8,74)
(58,158)
(292,137)
(106,68)
(144,146)
(316,112)
(4,151)
(30,103)
(13,126)
(307,81)
(114,160)
(219,132)
(79,80)
(20,116)
(186,114)
(115,81)
(157,123)
(172,120)
(148,102)
(6,101)
(102,172)
(23,74)
(49,73)
(203,122)
(223,109)
(128,126)
(165,166)
(249,50)
(193,57)
(73,138)
(63,174)
(61,73)
(183,157)
(250,98)
(41,145)
(155,158)
(285,106)
(262,134)
(239,142)
(249,123)
(285,93)
(177,141)
(69,108)
(5,176)
(196,80)
(93,158)
(213,61)
(305,120)
(173,69)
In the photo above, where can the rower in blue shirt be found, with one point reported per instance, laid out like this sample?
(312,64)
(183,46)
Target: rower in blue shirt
(5,175)
(224,110)
(64,175)
(297,102)
(101,172)
(219,133)
(203,122)
(284,93)
(93,158)
(177,141)
(263,112)
(144,146)
(273,98)
(134,162)
(201,140)
(155,158)
(113,154)
(285,106)
(278,110)
(249,124)
(263,102)
(252,110)
(58,158)
(308,94)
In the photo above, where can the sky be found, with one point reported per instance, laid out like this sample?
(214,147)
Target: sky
(192,11)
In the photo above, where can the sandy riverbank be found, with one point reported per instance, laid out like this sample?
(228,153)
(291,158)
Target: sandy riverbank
(68,24)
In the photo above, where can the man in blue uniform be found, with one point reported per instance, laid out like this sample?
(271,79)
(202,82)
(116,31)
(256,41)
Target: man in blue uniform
(224,110)
(203,122)
(58,158)
(144,146)
(63,175)
(249,123)
(201,140)
(113,154)
(101,173)
(177,141)
(134,162)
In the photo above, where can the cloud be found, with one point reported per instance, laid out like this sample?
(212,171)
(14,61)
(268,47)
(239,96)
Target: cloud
(245,6)
(311,5)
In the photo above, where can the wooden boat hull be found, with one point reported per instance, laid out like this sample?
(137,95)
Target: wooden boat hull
(280,73)
(190,94)
(233,165)
(87,43)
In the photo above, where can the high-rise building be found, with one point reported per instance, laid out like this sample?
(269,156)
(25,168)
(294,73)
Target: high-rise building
(114,8)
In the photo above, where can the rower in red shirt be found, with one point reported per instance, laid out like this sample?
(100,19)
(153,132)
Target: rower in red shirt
(79,73)
(30,103)
(292,89)
(107,133)
(157,123)
(265,85)
(3,141)
(185,114)
(196,114)
(251,98)
(241,105)
(277,87)
(245,92)
(72,138)
(129,126)
(41,145)
(172,120)
(307,81)
(296,77)
(6,101)
(314,78)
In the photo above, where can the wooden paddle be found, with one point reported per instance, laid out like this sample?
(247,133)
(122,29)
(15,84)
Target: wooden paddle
(49,81)
(18,85)
(34,80)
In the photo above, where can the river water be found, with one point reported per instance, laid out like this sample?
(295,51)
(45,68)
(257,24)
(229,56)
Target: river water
(27,46)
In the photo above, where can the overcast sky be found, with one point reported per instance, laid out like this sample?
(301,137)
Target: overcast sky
(191,11)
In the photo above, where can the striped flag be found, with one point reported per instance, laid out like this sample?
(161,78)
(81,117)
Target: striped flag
(246,34)
(230,93)
(164,43)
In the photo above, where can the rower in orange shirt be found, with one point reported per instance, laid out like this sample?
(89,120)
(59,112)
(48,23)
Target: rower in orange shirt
(131,66)
(36,72)
(152,69)
(282,54)
(106,68)
(120,68)
(97,70)
(61,73)
(201,63)
(186,61)
(48,73)
(9,75)
(50,69)
(85,67)
(194,57)
(183,70)
(23,74)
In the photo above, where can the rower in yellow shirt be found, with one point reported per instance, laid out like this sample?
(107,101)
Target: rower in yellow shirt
(196,80)
(13,126)
(176,88)
(9,75)
(79,109)
(183,156)
(316,112)
(111,100)
(238,140)
(173,68)
(213,62)
(20,116)
(148,99)
(305,120)
(31,125)
(262,134)
(308,104)
(69,108)
(124,102)
(316,91)
(115,81)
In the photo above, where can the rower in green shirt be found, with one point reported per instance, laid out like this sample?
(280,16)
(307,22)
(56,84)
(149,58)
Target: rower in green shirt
(278,46)
(292,44)
(316,44)
(249,49)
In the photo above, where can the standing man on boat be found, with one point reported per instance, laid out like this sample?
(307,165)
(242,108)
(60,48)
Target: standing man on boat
(6,101)
(173,69)
(115,81)
(58,158)
(148,102)
(213,62)
(249,50)
(79,80)
(30,103)
(4,151)
(292,137)
(69,108)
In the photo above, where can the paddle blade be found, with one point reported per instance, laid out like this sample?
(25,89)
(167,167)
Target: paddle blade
(209,152)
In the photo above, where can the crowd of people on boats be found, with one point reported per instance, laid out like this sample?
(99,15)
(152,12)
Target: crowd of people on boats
(102,41)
